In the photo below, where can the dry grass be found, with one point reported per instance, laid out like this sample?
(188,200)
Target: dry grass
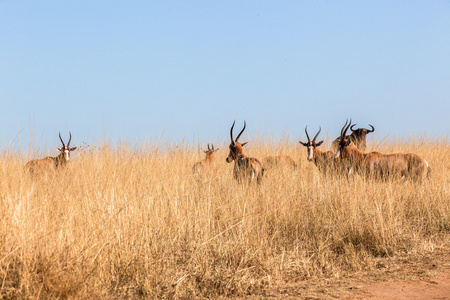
(120,222)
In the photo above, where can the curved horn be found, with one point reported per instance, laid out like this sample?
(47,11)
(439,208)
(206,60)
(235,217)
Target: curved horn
(342,130)
(373,129)
(351,128)
(231,132)
(70,138)
(314,139)
(345,131)
(306,131)
(208,147)
(61,140)
(212,145)
(239,135)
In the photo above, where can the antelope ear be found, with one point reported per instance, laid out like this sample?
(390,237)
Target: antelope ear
(304,144)
(73,149)
(216,149)
(243,144)
(319,143)
(59,149)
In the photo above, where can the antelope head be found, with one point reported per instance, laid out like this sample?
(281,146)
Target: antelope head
(343,142)
(65,150)
(361,132)
(235,147)
(311,145)
(210,152)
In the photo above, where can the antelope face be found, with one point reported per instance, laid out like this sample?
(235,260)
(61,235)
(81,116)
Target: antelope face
(341,147)
(65,150)
(361,132)
(210,152)
(235,151)
(311,145)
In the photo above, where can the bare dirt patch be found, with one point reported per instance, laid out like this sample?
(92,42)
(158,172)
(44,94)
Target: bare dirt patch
(413,276)
(427,278)
(437,287)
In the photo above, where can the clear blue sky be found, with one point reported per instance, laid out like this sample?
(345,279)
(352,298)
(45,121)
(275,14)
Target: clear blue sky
(137,70)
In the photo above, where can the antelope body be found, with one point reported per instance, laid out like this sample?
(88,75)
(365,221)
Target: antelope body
(404,165)
(358,137)
(52,163)
(245,168)
(282,160)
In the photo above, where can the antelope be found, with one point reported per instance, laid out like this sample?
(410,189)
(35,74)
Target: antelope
(52,163)
(200,166)
(324,161)
(244,167)
(380,165)
(282,160)
(358,137)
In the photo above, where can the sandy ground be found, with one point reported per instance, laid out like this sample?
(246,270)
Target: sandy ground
(409,277)
(437,287)
(426,278)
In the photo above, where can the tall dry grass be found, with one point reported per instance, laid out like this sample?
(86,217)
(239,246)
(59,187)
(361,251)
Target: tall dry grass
(129,222)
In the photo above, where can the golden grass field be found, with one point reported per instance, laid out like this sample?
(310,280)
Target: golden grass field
(132,222)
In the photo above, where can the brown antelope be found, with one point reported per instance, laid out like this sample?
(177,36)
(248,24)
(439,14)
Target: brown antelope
(52,163)
(324,161)
(358,137)
(380,165)
(275,161)
(244,167)
(200,166)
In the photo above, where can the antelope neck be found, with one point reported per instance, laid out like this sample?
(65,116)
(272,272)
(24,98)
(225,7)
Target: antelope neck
(60,159)
(352,152)
(240,156)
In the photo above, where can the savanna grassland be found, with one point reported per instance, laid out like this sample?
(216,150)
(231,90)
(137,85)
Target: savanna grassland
(123,221)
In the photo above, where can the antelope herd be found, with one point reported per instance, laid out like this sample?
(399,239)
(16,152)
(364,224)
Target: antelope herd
(348,158)
(404,165)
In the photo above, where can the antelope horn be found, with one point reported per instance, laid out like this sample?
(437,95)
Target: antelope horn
(373,128)
(61,140)
(342,130)
(231,132)
(351,128)
(212,147)
(307,133)
(345,131)
(208,146)
(70,138)
(239,135)
(314,139)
